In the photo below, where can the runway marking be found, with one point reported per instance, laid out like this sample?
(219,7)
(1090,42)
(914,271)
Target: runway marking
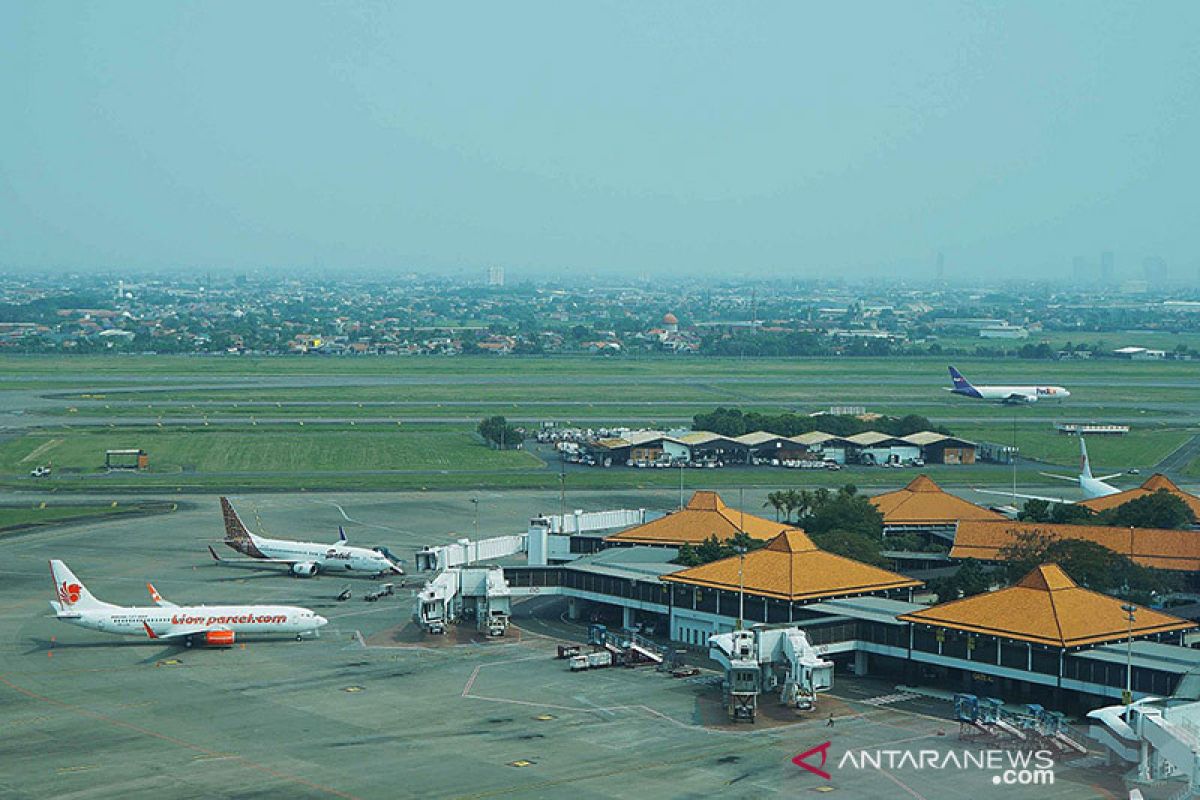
(911,791)
(83,712)
(40,450)
(349,518)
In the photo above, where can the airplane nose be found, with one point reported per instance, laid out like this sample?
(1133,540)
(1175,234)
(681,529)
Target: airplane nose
(321,620)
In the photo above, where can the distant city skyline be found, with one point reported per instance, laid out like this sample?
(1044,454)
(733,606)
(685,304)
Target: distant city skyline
(934,142)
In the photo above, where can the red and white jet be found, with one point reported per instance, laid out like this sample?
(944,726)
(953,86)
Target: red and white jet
(205,625)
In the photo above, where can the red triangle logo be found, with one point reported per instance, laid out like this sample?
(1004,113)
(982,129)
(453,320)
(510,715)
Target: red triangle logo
(800,760)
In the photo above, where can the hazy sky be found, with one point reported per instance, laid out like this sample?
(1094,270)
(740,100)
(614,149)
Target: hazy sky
(723,137)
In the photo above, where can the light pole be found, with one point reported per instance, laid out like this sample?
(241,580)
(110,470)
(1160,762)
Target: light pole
(741,551)
(682,463)
(475,502)
(1129,610)
(1014,460)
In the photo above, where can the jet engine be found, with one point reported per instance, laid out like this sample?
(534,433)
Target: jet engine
(218,638)
(305,569)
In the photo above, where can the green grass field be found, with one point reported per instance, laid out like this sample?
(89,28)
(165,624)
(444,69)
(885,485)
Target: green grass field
(321,447)
(110,369)
(14,517)
(279,450)
(1139,449)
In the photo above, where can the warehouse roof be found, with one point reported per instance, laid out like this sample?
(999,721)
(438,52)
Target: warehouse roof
(925,438)
(1047,607)
(814,437)
(1150,547)
(703,437)
(922,502)
(1156,482)
(705,515)
(758,437)
(791,567)
(868,438)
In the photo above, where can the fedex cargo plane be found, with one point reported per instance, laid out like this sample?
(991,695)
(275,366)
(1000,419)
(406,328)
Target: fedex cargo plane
(303,559)
(214,626)
(1011,395)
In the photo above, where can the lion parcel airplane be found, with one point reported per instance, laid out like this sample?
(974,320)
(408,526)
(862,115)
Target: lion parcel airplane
(1010,395)
(215,626)
(304,559)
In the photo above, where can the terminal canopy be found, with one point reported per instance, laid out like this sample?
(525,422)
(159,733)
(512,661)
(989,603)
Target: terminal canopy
(1047,607)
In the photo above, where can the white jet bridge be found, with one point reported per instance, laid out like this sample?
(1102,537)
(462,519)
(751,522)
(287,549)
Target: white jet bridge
(1160,736)
(548,539)
(459,593)
(763,659)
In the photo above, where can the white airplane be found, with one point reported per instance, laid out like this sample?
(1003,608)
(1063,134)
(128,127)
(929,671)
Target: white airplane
(1011,395)
(303,559)
(1090,485)
(215,626)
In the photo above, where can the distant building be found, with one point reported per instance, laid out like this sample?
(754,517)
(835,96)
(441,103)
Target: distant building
(1154,270)
(670,323)
(495,276)
(1003,332)
(1140,353)
(1107,267)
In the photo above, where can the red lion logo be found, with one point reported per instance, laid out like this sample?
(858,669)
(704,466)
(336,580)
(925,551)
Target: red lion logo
(69,592)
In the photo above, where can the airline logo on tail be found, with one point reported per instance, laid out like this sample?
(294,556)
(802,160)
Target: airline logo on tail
(69,593)
(236,535)
(962,385)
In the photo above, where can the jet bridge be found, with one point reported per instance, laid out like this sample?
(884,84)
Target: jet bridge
(1160,737)
(458,593)
(765,659)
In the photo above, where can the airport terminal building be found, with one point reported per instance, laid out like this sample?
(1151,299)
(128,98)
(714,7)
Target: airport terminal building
(1044,639)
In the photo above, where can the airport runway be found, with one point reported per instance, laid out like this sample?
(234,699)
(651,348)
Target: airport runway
(88,715)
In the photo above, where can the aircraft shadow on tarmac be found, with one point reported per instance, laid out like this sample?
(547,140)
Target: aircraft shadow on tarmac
(45,645)
(162,651)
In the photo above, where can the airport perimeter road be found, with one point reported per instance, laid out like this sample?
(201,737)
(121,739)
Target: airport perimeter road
(373,709)
(1185,454)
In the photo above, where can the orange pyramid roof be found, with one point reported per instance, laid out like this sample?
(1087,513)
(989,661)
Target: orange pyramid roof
(1047,607)
(923,502)
(1156,482)
(791,567)
(705,515)
(1150,547)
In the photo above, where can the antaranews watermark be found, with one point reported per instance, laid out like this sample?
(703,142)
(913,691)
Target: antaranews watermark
(1008,767)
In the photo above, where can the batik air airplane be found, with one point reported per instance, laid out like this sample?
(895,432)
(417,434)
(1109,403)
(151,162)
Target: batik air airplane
(303,559)
(214,626)
(1011,395)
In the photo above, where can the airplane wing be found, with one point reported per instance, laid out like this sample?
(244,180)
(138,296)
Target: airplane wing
(157,598)
(250,563)
(1025,496)
(176,633)
(1110,477)
(1016,397)
(1059,477)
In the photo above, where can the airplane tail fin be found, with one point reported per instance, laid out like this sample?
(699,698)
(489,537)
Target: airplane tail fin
(237,535)
(961,384)
(1085,464)
(342,534)
(72,595)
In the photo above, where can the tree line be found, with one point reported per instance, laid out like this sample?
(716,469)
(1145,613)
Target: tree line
(735,422)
